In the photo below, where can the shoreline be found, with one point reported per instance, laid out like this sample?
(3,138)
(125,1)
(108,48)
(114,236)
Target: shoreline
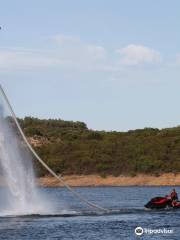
(166,179)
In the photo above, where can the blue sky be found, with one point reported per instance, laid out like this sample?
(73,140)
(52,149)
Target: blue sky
(112,64)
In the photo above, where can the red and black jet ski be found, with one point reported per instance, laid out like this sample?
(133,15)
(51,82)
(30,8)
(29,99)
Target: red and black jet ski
(162,202)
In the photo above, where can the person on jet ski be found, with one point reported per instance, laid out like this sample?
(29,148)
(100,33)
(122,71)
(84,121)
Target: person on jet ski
(174,196)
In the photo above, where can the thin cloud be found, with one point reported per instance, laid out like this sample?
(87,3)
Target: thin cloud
(81,56)
(97,52)
(74,47)
(133,55)
(65,39)
(26,59)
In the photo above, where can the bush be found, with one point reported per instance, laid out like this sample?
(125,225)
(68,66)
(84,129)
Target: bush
(74,149)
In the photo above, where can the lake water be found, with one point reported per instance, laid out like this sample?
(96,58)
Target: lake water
(70,219)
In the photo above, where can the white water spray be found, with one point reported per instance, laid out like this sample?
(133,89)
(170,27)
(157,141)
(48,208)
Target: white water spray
(17,170)
(76,194)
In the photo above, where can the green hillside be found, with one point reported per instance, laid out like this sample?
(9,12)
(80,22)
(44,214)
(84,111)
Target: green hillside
(71,148)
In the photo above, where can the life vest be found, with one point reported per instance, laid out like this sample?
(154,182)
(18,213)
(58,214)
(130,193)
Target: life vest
(173,195)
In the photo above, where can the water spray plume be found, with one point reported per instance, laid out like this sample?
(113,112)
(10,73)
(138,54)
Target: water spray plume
(13,166)
(17,169)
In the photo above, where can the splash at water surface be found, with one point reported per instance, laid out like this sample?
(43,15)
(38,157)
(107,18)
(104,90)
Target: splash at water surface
(16,170)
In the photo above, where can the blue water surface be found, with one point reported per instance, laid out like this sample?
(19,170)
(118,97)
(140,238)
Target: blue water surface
(71,219)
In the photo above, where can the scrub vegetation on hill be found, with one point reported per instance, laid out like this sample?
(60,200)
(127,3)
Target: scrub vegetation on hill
(71,148)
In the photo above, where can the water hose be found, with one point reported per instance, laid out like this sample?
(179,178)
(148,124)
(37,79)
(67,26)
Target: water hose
(59,177)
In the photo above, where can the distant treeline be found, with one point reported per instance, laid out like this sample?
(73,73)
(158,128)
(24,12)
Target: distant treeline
(71,148)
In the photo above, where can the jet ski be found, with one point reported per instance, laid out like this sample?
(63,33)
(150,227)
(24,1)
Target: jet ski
(162,203)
